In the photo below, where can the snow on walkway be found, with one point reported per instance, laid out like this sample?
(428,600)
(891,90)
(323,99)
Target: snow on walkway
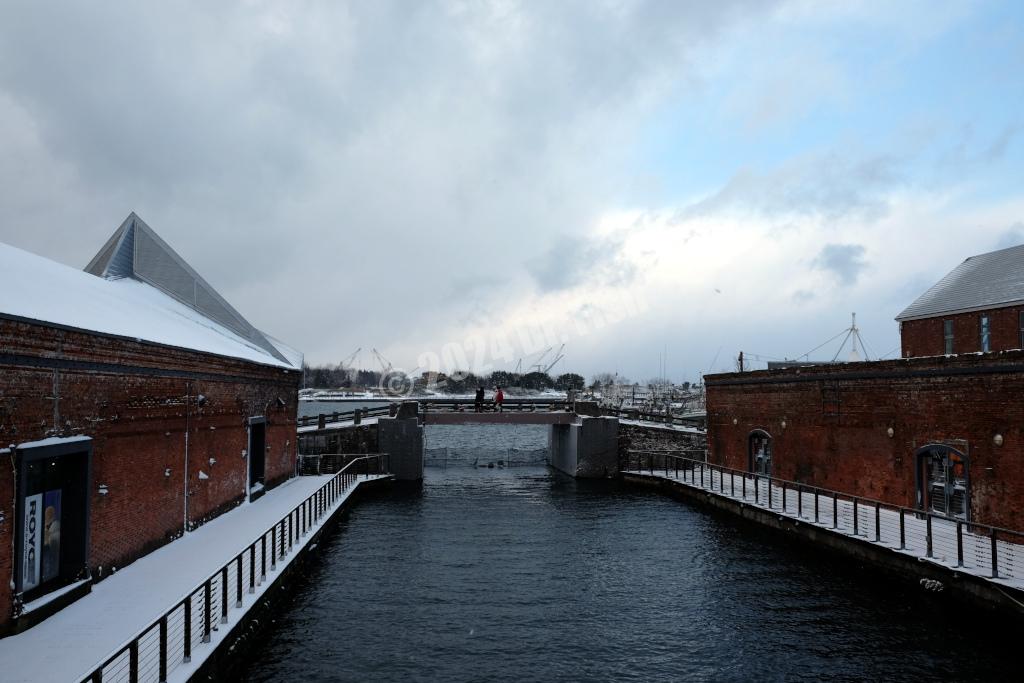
(71,643)
(880,526)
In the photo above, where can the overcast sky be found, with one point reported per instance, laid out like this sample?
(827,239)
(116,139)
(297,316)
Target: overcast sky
(469,182)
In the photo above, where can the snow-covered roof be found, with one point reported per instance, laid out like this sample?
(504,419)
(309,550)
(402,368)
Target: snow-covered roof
(991,280)
(38,289)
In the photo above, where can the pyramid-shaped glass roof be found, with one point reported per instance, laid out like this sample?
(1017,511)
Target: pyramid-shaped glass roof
(136,251)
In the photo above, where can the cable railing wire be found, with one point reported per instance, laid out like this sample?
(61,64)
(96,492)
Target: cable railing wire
(169,641)
(980,549)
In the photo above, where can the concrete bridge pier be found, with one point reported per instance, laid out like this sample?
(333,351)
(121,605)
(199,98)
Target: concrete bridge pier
(586,449)
(401,437)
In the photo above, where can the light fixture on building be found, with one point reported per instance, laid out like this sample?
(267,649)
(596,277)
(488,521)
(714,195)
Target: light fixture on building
(200,400)
(890,431)
(783,423)
(213,461)
(104,490)
(167,471)
(998,439)
(735,421)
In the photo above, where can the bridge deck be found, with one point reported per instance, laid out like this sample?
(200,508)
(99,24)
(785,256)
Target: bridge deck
(517,418)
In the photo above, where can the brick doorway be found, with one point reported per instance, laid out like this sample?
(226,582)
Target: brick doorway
(52,532)
(943,481)
(257,455)
(760,452)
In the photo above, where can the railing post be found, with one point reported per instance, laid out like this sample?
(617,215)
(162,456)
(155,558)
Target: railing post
(207,606)
(224,595)
(187,644)
(163,649)
(816,496)
(928,534)
(757,491)
(995,555)
(800,501)
(903,532)
(732,483)
(702,475)
(856,515)
(769,493)
(959,543)
(273,549)
(878,523)
(784,508)
(835,511)
(238,582)
(252,568)
(133,661)
(744,487)
(281,536)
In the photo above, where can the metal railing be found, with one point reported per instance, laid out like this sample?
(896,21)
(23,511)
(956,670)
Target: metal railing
(169,641)
(660,418)
(975,548)
(438,405)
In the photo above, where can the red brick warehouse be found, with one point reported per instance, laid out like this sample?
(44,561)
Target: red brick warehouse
(941,429)
(137,404)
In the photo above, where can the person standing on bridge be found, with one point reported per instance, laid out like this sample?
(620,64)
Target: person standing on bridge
(479,399)
(498,398)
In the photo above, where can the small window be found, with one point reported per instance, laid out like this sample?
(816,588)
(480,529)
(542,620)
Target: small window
(985,335)
(947,335)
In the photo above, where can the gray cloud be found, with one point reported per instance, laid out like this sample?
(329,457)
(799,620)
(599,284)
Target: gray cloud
(573,260)
(829,186)
(1012,237)
(843,261)
(333,157)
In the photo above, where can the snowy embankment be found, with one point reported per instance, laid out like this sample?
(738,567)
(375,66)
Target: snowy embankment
(72,643)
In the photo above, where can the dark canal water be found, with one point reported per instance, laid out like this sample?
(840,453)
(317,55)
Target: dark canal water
(522,574)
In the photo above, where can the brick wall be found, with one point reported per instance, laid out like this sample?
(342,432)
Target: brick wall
(644,437)
(130,397)
(837,420)
(926,337)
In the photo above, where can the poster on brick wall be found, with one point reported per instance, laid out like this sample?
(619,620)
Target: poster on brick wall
(32,540)
(51,535)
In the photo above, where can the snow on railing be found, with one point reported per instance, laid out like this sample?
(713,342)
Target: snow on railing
(978,549)
(170,640)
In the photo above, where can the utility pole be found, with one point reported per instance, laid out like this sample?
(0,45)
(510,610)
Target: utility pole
(741,361)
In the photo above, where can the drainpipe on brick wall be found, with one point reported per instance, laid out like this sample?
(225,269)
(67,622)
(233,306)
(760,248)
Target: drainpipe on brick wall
(188,398)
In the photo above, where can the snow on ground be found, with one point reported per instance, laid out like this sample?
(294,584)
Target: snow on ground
(838,516)
(71,643)
(666,427)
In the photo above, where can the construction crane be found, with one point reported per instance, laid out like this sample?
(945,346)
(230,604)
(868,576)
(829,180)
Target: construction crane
(539,364)
(385,364)
(558,356)
(349,362)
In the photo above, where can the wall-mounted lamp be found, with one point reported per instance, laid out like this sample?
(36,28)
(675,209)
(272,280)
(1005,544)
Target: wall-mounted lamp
(104,490)
(998,439)
(2,517)
(203,475)
(735,421)
(167,471)
(783,423)
(890,431)
(213,461)
(200,400)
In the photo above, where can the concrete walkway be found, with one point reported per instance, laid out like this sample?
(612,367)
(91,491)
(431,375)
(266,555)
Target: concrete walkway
(73,642)
(879,526)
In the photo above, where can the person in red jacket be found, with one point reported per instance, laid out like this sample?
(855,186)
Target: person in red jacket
(498,398)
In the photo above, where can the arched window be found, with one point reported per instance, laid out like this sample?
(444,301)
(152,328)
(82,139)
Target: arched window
(760,452)
(943,481)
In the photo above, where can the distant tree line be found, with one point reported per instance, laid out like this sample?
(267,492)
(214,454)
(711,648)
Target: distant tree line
(459,382)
